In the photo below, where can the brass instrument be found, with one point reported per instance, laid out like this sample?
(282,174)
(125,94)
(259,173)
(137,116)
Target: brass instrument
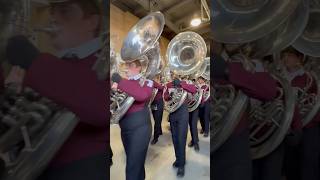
(141,44)
(185,53)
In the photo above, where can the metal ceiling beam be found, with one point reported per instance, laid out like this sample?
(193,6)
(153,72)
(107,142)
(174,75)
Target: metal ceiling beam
(121,5)
(169,23)
(188,17)
(177,6)
(191,28)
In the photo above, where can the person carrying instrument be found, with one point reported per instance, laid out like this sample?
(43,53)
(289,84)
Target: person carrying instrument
(135,124)
(193,122)
(308,150)
(179,124)
(204,109)
(269,167)
(1,79)
(157,110)
(232,160)
(69,80)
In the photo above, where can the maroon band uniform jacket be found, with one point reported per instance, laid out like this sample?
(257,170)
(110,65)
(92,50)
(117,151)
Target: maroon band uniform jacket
(258,85)
(74,85)
(141,94)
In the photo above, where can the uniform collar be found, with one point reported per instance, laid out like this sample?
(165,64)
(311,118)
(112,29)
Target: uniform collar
(224,55)
(82,51)
(136,77)
(292,75)
(258,66)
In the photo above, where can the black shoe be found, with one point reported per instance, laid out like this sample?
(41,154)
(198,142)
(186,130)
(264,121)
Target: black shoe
(180,172)
(201,132)
(206,135)
(190,144)
(196,147)
(154,141)
(175,165)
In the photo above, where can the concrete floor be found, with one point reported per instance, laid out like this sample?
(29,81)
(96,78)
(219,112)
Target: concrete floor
(161,156)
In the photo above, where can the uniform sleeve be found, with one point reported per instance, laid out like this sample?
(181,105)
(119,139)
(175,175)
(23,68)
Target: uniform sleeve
(314,86)
(166,94)
(259,85)
(169,85)
(205,89)
(133,88)
(314,90)
(73,87)
(157,85)
(188,87)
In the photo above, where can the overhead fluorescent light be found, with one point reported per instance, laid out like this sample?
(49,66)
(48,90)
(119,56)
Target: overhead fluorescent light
(195,22)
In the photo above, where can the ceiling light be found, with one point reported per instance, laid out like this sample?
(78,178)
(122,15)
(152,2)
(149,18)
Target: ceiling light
(195,22)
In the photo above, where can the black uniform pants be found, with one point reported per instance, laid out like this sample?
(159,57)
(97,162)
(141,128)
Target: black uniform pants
(310,154)
(232,161)
(157,116)
(204,110)
(302,161)
(135,134)
(193,122)
(179,129)
(93,168)
(270,166)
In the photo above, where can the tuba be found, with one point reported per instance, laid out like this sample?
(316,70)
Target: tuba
(32,128)
(194,100)
(205,73)
(270,121)
(185,54)
(140,43)
(270,26)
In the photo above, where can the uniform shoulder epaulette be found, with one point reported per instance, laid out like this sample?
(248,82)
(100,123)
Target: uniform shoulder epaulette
(149,83)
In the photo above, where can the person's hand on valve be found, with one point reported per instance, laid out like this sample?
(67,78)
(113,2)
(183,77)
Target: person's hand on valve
(115,78)
(20,53)
(114,86)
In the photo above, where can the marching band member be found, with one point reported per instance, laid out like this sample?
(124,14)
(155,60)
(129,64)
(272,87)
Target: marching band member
(193,122)
(308,150)
(179,124)
(157,110)
(70,80)
(1,79)
(204,109)
(232,160)
(270,166)
(136,124)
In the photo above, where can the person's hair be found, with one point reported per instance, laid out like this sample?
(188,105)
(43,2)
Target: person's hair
(137,63)
(89,7)
(291,50)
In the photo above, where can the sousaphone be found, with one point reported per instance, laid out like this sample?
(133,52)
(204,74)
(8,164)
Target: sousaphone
(241,21)
(309,41)
(185,54)
(141,44)
(270,120)
(282,37)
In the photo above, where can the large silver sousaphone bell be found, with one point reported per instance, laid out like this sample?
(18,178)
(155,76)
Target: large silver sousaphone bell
(241,21)
(185,54)
(286,34)
(141,44)
(309,41)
